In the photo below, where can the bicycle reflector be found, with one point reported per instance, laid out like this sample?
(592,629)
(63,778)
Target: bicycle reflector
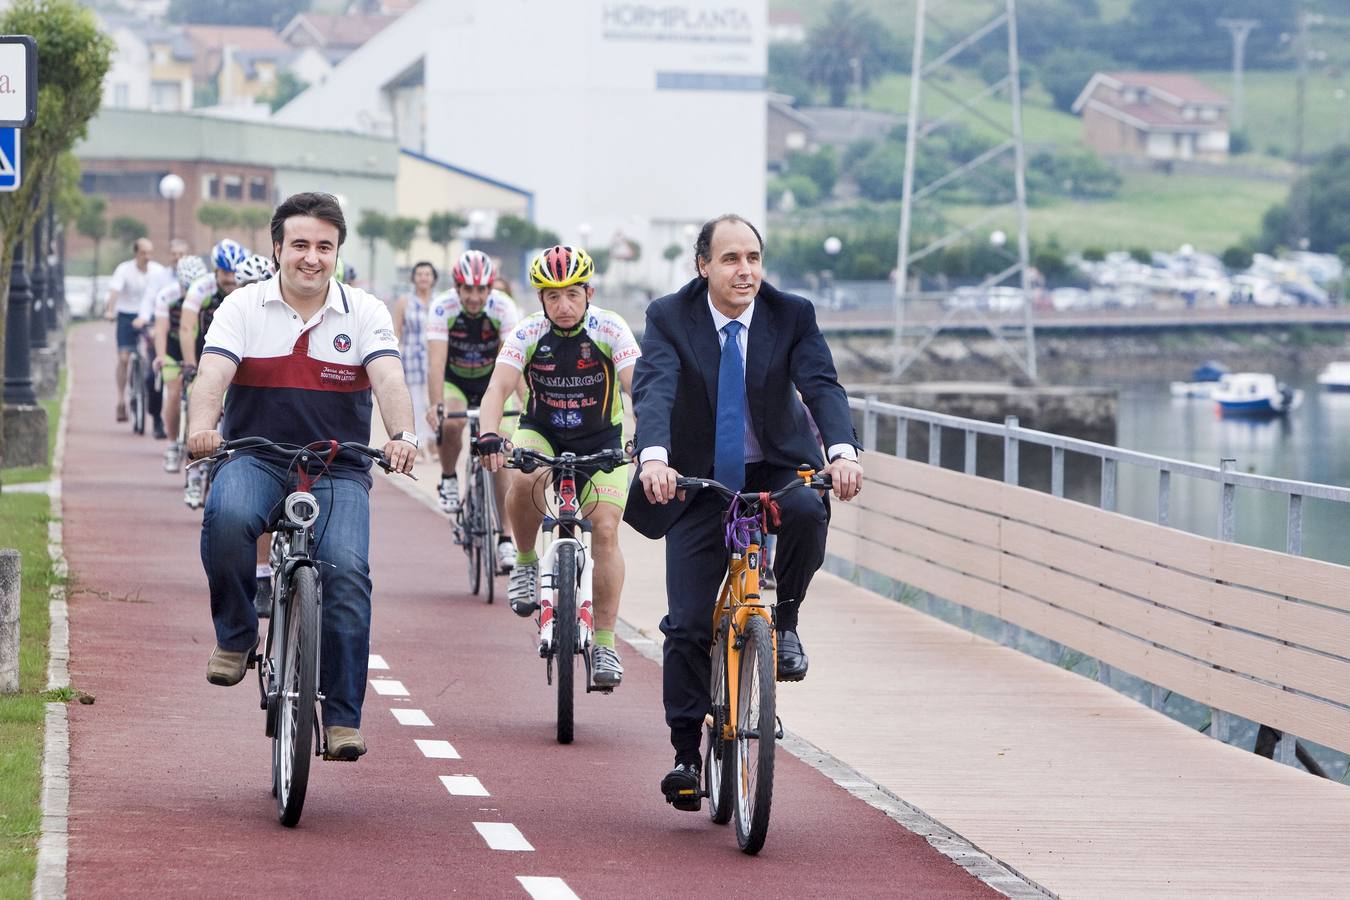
(302,509)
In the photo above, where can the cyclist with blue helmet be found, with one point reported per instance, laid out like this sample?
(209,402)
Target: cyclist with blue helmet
(168,362)
(204,296)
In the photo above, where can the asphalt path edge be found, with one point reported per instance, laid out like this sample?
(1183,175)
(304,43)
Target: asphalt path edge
(49,881)
(980,864)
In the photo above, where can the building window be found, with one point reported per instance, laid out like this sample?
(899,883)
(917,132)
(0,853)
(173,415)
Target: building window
(234,187)
(257,189)
(165,95)
(1208,113)
(210,185)
(121,184)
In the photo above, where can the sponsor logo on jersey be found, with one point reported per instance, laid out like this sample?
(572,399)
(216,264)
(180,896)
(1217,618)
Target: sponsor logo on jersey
(565,418)
(342,343)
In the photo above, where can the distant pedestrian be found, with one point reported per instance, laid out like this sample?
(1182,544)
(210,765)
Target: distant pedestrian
(126,295)
(410,325)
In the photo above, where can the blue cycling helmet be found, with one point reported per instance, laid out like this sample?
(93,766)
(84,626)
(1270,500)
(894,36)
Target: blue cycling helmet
(228,255)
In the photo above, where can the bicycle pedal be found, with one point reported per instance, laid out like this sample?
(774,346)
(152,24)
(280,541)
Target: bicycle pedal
(254,659)
(778,730)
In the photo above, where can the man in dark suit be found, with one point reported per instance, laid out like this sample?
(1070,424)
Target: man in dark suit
(716,394)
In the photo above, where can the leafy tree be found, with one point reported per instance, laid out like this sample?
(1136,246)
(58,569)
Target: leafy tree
(400,233)
(92,222)
(252,218)
(601,257)
(788,71)
(822,167)
(1094,254)
(217,217)
(1066,71)
(443,228)
(127,229)
(993,68)
(1077,173)
(1141,254)
(805,192)
(847,33)
(880,174)
(269,13)
(1184,34)
(288,87)
(373,226)
(1325,192)
(521,234)
(1237,258)
(73,57)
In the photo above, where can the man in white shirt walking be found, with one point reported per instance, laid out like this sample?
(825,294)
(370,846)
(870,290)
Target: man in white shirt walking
(126,293)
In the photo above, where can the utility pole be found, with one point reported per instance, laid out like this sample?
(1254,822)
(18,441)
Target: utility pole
(1300,212)
(1238,29)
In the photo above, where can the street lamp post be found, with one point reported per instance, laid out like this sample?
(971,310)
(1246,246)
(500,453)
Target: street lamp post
(171,188)
(832,246)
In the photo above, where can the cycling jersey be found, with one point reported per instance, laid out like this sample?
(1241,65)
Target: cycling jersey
(572,376)
(169,306)
(203,297)
(473,341)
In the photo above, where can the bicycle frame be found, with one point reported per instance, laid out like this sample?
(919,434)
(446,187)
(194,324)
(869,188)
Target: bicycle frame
(558,531)
(740,599)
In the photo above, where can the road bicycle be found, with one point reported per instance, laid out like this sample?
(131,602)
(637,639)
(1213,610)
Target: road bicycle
(137,394)
(478,522)
(742,724)
(288,666)
(566,623)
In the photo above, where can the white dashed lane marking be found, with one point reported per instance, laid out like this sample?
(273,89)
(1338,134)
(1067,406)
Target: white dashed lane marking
(464,786)
(502,836)
(411,717)
(437,749)
(388,687)
(546,888)
(377,662)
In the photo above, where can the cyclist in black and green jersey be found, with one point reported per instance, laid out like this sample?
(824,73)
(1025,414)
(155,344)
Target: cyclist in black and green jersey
(168,314)
(577,361)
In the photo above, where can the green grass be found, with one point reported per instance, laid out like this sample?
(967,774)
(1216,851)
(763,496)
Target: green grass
(1041,122)
(23,522)
(1269,101)
(1155,210)
(30,474)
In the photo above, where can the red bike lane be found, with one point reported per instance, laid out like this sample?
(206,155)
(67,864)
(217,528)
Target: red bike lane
(170,779)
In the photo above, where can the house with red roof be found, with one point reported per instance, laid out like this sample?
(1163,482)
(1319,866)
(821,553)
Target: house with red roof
(1154,115)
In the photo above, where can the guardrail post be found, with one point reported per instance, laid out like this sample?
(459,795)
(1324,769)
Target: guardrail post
(901,438)
(934,444)
(1164,496)
(1108,484)
(1286,751)
(869,435)
(1218,719)
(971,438)
(10,583)
(1057,471)
(1011,465)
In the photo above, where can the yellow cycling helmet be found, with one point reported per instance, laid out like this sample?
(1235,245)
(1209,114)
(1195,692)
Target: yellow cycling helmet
(560,267)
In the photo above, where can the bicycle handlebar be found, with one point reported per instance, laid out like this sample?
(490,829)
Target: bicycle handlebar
(318,447)
(527,460)
(812,480)
(470,413)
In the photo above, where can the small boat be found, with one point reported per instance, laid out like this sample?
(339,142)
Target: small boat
(1255,394)
(1335,377)
(1210,371)
(1204,381)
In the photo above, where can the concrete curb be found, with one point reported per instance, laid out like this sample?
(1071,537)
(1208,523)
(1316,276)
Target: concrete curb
(53,849)
(968,856)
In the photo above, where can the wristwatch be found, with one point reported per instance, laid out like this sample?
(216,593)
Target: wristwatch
(407,436)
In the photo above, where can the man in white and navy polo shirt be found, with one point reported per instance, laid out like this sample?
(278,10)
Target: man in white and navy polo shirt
(301,355)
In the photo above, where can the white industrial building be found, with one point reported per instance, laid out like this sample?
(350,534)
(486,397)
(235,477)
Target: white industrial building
(628,120)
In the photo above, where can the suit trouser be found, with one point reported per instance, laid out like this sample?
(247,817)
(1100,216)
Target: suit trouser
(696,561)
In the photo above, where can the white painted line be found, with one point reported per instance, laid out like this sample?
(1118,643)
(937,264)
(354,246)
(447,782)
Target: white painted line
(502,836)
(411,717)
(546,888)
(388,687)
(437,749)
(377,662)
(464,786)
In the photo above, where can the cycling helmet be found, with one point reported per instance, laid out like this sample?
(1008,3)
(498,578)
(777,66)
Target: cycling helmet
(228,255)
(189,269)
(255,268)
(474,268)
(560,267)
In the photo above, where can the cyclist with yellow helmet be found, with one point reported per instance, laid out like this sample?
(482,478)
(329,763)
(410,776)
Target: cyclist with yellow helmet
(575,359)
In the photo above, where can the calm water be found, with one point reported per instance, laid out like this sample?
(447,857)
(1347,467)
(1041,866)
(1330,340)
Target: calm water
(1311,444)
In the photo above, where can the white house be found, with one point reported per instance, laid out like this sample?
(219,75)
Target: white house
(633,119)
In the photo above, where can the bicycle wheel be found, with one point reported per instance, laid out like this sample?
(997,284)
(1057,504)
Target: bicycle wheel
(471,526)
(487,543)
(755,736)
(136,386)
(293,746)
(718,766)
(565,635)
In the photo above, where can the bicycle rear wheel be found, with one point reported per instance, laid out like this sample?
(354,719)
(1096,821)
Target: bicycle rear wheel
(293,745)
(755,736)
(719,759)
(136,387)
(565,635)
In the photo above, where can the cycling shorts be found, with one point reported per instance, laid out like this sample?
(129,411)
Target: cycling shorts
(172,370)
(127,334)
(602,487)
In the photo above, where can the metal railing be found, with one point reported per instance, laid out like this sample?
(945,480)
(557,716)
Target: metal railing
(1013,436)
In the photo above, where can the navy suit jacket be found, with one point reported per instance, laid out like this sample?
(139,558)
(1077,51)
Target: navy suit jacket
(675,390)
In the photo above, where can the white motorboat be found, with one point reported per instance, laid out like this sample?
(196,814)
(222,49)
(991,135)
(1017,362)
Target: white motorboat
(1335,377)
(1255,394)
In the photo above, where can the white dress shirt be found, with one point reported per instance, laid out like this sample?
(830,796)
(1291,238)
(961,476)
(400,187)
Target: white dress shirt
(753,453)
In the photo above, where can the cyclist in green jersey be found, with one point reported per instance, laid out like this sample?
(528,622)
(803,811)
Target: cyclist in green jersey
(576,359)
(168,313)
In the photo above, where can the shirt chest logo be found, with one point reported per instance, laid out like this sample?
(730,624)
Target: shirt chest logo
(342,343)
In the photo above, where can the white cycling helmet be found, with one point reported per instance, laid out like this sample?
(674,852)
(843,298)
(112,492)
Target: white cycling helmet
(255,268)
(189,269)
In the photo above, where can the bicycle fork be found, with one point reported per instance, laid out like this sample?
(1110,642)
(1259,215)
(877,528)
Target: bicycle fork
(548,591)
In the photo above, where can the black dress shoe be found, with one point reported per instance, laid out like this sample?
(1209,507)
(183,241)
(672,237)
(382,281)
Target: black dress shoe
(792,660)
(683,786)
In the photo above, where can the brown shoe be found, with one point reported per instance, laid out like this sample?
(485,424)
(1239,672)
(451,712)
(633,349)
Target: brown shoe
(122,412)
(227,667)
(343,744)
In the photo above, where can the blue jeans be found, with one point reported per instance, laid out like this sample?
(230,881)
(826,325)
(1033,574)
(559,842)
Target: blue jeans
(246,494)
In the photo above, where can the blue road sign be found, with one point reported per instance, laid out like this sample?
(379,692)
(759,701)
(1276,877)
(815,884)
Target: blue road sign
(9,159)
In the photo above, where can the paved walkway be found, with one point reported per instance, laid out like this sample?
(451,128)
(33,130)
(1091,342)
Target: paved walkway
(464,791)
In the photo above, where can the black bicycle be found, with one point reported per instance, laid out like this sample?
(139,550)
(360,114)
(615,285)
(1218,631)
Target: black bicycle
(478,522)
(288,667)
(137,391)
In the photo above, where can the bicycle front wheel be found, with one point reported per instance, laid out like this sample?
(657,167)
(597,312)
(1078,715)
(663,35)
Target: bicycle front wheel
(471,519)
(136,385)
(293,745)
(719,759)
(487,543)
(565,635)
(755,735)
